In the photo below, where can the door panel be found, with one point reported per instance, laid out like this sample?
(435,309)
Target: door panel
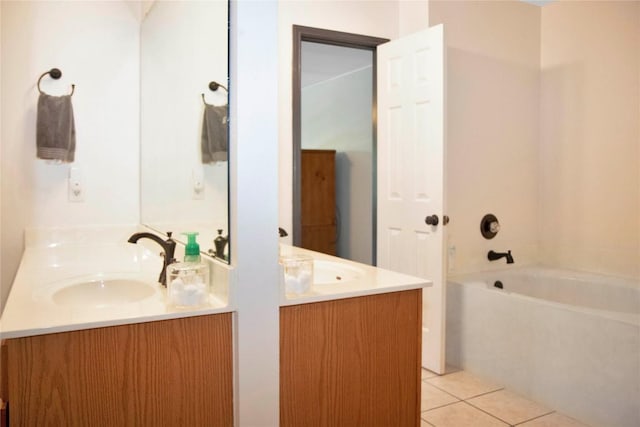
(411,172)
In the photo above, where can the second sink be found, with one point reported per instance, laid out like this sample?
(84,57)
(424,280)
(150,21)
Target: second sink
(330,272)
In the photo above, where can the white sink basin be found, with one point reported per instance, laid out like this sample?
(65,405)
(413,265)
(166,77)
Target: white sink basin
(331,273)
(99,291)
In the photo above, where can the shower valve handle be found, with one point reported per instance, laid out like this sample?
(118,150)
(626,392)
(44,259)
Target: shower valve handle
(432,220)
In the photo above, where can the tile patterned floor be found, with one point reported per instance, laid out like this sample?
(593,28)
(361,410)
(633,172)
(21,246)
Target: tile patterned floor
(460,399)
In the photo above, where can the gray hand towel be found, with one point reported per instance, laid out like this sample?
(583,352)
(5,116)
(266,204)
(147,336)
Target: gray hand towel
(214,133)
(55,128)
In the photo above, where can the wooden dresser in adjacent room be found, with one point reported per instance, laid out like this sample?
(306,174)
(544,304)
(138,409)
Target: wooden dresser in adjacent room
(318,201)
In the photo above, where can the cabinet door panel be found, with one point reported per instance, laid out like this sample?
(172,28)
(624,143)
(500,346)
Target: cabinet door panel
(351,362)
(173,372)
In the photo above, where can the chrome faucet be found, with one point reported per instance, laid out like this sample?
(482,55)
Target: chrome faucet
(168,248)
(492,256)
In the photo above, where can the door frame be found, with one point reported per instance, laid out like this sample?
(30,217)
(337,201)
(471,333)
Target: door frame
(336,38)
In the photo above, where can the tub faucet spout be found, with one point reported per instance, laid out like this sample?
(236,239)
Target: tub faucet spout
(168,248)
(492,256)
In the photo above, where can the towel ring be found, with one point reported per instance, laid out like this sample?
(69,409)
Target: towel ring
(213,86)
(55,74)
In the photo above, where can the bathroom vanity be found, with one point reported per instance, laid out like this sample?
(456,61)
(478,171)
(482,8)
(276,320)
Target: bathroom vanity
(88,336)
(350,348)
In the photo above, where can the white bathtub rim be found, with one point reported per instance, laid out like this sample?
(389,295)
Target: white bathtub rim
(478,280)
(623,281)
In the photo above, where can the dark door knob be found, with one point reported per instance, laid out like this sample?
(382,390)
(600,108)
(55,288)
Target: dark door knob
(432,220)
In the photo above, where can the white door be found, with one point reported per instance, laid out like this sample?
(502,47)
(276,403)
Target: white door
(411,125)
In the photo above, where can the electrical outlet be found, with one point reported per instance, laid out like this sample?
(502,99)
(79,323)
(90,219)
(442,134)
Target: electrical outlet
(197,181)
(76,185)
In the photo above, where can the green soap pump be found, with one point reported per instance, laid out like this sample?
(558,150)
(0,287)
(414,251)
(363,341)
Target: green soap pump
(192,249)
(188,283)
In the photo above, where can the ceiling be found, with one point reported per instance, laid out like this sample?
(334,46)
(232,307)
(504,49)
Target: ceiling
(322,62)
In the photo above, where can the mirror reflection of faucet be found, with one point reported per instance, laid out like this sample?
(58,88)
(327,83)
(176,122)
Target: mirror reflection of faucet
(168,251)
(493,256)
(220,243)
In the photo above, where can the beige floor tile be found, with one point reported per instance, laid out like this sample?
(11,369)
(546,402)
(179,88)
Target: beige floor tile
(428,374)
(463,385)
(460,415)
(553,420)
(423,423)
(509,407)
(433,397)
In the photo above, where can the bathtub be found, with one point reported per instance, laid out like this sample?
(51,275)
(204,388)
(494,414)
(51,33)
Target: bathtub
(565,339)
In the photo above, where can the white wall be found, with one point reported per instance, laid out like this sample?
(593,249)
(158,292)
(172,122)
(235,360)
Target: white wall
(254,210)
(336,115)
(590,136)
(543,131)
(493,53)
(96,45)
(413,16)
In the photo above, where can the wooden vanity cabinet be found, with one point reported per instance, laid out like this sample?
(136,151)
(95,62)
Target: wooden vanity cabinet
(174,372)
(352,362)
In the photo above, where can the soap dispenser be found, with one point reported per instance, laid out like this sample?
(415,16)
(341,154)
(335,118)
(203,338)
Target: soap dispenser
(192,249)
(188,281)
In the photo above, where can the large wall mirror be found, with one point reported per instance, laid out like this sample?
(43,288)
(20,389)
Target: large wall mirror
(184,156)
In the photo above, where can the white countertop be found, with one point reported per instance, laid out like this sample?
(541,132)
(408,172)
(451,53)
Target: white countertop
(54,259)
(47,266)
(360,280)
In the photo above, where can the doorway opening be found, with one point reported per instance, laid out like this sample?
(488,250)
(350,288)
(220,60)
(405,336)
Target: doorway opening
(334,142)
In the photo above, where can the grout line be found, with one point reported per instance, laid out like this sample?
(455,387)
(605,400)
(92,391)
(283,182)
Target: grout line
(433,385)
(470,397)
(428,422)
(535,418)
(466,400)
(444,391)
(491,415)
(441,406)
(488,413)
(484,394)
